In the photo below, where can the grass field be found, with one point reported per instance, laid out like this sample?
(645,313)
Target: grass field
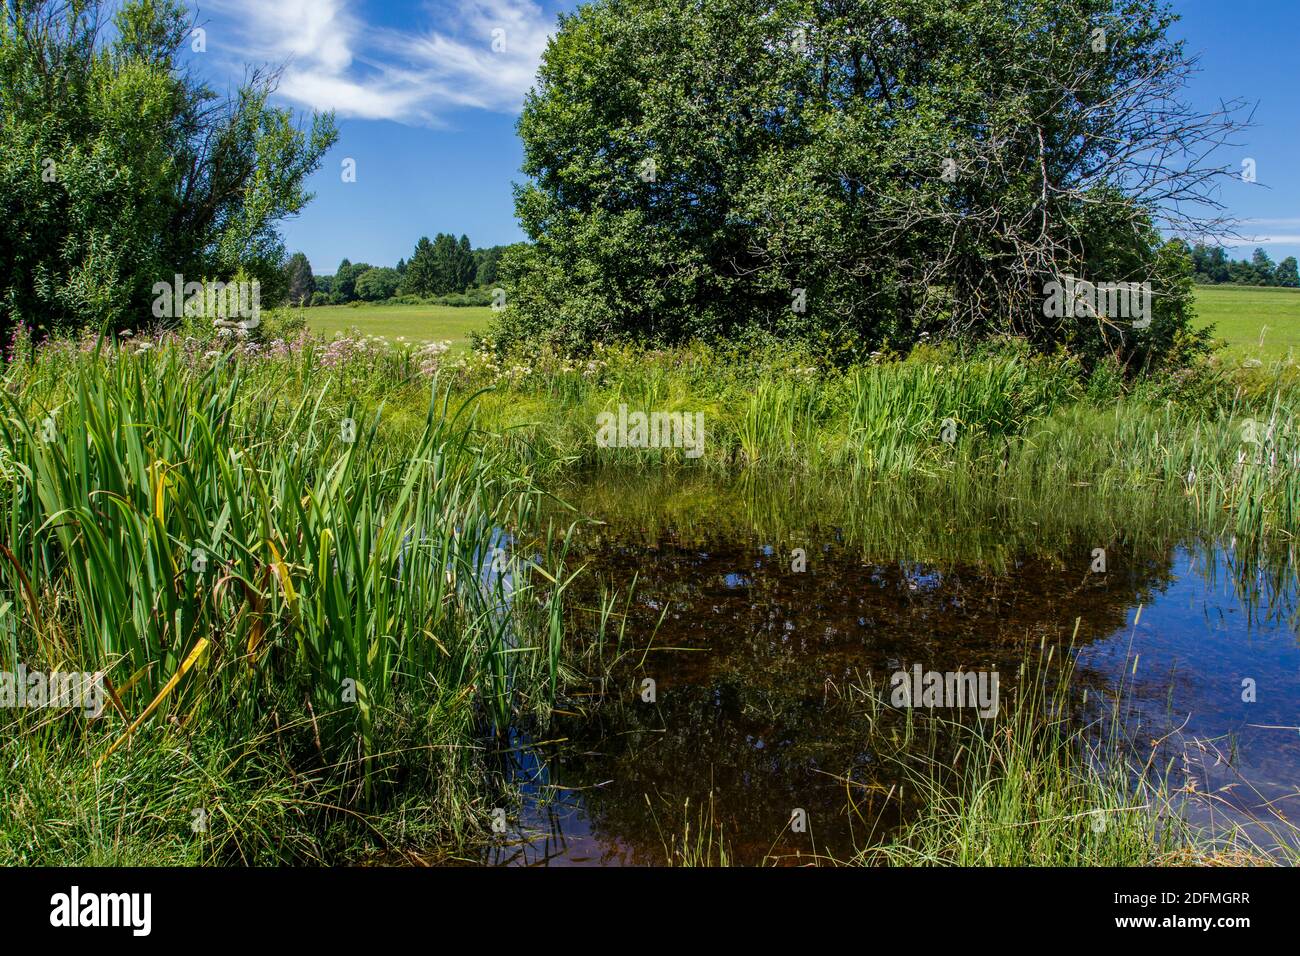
(417,323)
(1255,322)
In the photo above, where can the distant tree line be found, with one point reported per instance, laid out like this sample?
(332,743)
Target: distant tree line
(1211,265)
(445,266)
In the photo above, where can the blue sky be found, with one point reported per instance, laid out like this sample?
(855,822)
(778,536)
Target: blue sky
(1248,49)
(427,109)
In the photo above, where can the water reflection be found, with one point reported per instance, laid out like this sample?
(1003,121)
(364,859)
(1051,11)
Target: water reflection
(760,660)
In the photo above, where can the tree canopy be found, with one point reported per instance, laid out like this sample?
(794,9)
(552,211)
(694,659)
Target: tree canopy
(301,282)
(119,169)
(375,285)
(855,172)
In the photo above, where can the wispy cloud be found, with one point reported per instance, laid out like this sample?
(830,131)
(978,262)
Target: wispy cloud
(484,53)
(1249,233)
(455,54)
(1250,242)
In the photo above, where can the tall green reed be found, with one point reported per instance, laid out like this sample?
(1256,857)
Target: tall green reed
(285,545)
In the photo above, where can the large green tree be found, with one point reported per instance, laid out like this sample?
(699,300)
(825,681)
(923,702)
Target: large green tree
(1287,274)
(466,267)
(452,264)
(420,278)
(854,171)
(345,280)
(119,169)
(1262,263)
(301,282)
(1210,263)
(489,261)
(377,284)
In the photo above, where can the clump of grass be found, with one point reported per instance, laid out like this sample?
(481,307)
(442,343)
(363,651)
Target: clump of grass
(1211,441)
(247,560)
(1041,786)
(171,800)
(702,842)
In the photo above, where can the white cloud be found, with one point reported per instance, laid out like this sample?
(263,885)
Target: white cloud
(1249,233)
(336,61)
(1246,238)
(484,53)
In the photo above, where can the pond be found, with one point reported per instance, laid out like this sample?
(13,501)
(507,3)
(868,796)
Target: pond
(763,635)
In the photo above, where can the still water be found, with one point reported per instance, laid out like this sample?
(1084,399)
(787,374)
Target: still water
(762,637)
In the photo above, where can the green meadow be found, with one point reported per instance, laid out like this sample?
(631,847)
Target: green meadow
(414,323)
(1253,322)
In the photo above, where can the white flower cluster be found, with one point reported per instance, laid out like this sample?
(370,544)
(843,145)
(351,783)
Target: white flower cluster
(429,356)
